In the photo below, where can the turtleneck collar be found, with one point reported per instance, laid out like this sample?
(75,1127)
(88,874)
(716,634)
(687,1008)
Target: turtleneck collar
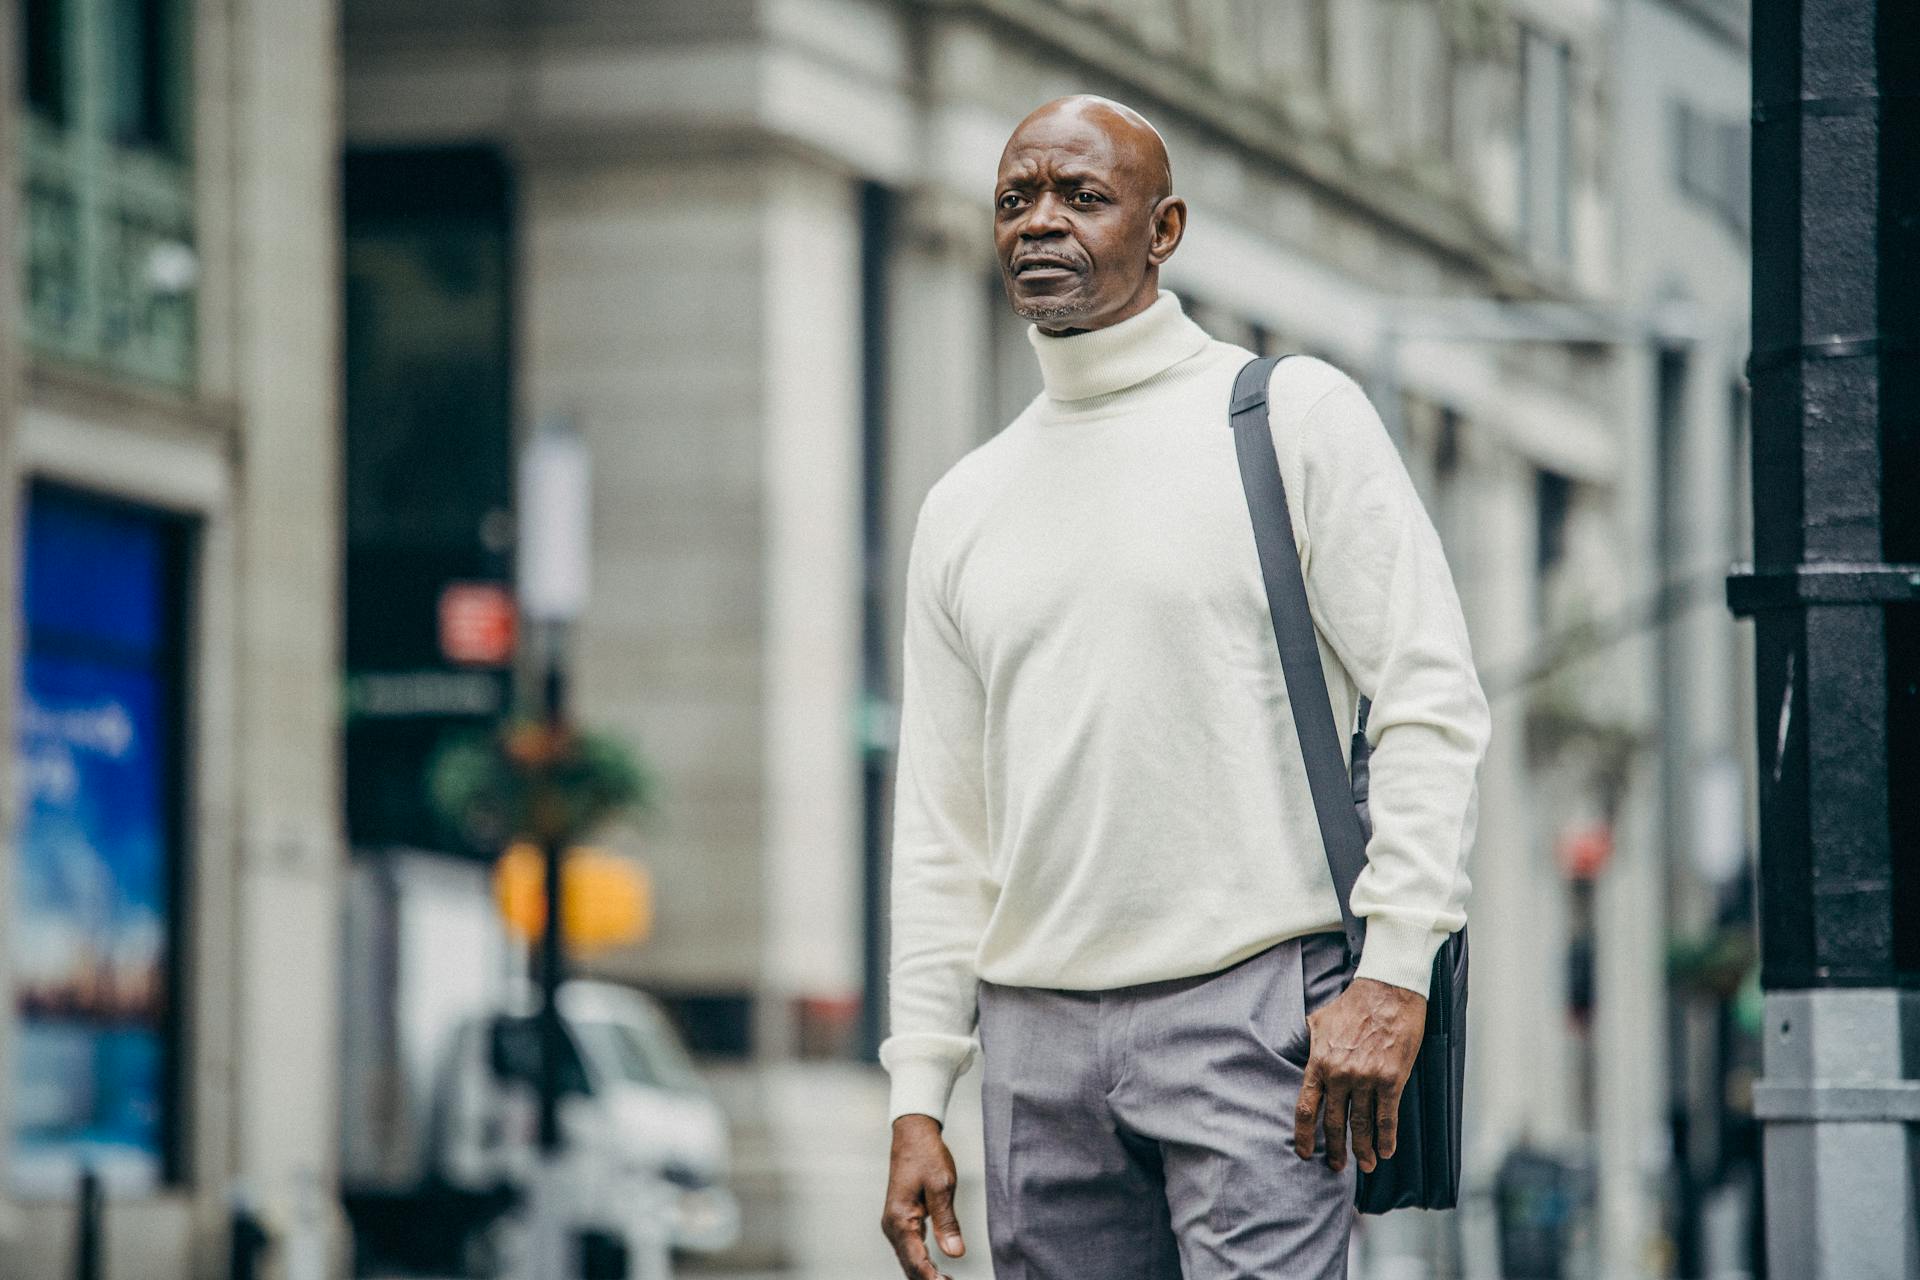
(1105,360)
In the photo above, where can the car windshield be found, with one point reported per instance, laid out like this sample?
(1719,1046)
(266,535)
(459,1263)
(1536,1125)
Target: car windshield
(643,1055)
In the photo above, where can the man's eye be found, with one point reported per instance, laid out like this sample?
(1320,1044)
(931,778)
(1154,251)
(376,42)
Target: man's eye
(1009,200)
(1085,198)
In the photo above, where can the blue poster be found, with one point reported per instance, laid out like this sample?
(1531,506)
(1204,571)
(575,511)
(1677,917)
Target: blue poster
(92,886)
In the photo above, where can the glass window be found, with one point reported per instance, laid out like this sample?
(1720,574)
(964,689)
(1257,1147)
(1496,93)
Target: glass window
(640,1054)
(515,1048)
(109,246)
(44,32)
(1710,162)
(145,71)
(95,900)
(1546,145)
(1553,503)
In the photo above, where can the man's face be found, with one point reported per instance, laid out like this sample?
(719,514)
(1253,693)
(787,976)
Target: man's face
(1076,205)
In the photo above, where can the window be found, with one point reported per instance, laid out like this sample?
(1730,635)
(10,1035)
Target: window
(144,107)
(1448,474)
(44,30)
(1546,146)
(113,71)
(643,1053)
(1553,503)
(109,256)
(1710,163)
(96,876)
(1554,497)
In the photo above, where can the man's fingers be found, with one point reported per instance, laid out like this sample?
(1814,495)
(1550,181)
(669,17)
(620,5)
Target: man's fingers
(903,1229)
(1360,1106)
(1306,1113)
(946,1224)
(1337,1126)
(1386,1127)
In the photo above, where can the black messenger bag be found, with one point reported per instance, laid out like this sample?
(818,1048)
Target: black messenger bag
(1424,1172)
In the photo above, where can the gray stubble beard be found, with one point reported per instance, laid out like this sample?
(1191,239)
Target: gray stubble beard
(1048,312)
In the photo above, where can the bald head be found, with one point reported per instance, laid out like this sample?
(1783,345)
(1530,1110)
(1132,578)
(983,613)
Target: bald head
(1084,214)
(1134,140)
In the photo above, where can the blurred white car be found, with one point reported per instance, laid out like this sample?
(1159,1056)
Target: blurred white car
(646,1150)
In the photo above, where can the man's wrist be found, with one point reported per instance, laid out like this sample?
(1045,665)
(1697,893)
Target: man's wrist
(1390,991)
(1399,953)
(922,1075)
(915,1120)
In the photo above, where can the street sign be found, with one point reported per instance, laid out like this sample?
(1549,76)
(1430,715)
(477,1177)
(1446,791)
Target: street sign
(477,624)
(605,900)
(1585,850)
(423,695)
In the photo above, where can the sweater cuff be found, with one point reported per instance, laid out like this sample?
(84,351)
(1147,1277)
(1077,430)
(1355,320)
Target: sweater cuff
(1399,952)
(923,1070)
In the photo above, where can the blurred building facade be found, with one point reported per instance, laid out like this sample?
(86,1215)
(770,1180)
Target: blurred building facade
(168,439)
(745,245)
(1680,110)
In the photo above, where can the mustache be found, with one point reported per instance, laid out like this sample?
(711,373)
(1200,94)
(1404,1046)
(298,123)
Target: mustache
(1047,258)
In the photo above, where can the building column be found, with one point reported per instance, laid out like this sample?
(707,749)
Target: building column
(1629,1033)
(940,333)
(287,870)
(1517,1012)
(1630,922)
(810,325)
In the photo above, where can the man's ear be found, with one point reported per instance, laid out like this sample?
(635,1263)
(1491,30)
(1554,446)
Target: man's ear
(1169,224)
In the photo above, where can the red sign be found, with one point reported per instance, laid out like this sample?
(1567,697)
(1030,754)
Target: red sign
(1586,850)
(477,624)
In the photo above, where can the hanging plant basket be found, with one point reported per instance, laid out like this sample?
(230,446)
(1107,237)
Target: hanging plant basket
(528,781)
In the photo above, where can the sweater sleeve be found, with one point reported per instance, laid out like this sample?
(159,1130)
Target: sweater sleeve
(942,892)
(1384,599)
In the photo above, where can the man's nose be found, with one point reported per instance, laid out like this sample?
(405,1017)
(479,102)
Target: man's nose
(1047,217)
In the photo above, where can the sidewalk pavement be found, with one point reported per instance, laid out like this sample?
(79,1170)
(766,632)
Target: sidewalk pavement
(810,1165)
(813,1179)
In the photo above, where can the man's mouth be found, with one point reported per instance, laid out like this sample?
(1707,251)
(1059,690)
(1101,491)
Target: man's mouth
(1045,269)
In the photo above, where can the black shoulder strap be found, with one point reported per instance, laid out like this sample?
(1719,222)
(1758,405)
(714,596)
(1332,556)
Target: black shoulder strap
(1333,794)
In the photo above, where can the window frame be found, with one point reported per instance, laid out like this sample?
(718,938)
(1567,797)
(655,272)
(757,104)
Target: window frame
(109,245)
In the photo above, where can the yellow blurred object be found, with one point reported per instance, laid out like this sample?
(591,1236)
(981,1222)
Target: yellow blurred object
(605,900)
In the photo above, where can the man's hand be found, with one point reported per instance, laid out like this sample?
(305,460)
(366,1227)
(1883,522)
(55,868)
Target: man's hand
(920,1183)
(1363,1043)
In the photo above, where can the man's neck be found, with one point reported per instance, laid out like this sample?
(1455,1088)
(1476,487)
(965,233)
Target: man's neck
(1076,366)
(1140,301)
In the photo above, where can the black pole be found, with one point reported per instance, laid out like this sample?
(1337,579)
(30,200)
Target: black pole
(1836,455)
(1834,591)
(552,952)
(876,748)
(87,1257)
(247,1243)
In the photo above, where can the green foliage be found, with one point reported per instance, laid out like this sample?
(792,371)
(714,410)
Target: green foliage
(1719,962)
(522,781)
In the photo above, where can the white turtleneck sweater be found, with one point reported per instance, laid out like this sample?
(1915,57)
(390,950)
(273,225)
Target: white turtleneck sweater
(1099,783)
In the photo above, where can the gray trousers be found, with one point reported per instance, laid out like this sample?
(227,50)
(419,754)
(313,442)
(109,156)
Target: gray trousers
(1146,1132)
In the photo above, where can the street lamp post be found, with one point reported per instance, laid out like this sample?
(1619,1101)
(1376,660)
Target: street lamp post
(1834,590)
(552,563)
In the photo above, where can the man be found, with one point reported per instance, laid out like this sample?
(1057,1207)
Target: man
(1105,851)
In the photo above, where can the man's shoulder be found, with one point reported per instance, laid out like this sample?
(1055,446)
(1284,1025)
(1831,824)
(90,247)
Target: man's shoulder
(1301,382)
